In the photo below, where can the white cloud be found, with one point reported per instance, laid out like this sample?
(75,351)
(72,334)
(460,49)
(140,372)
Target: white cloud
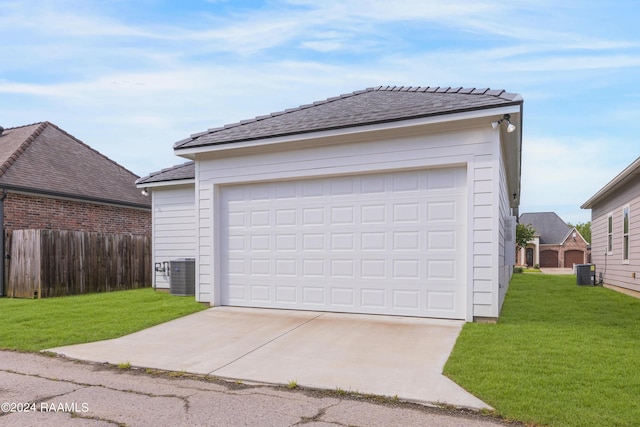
(567,171)
(132,88)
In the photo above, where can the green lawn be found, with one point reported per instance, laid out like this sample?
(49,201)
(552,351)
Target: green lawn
(37,324)
(561,355)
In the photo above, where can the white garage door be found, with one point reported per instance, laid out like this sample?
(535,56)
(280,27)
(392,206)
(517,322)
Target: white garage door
(388,243)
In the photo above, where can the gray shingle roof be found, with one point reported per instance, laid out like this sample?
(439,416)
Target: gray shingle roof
(175,173)
(548,225)
(370,106)
(42,158)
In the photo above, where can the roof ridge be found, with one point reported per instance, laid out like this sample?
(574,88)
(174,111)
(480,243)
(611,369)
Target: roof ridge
(23,147)
(90,148)
(24,126)
(42,126)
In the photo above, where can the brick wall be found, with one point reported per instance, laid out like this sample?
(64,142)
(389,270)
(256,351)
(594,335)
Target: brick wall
(32,212)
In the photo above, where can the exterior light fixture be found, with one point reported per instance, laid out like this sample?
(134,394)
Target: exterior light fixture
(145,192)
(507,117)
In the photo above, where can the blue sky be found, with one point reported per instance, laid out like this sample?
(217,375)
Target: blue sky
(131,77)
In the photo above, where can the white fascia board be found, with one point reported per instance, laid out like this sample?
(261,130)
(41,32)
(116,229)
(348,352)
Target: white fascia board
(167,183)
(490,113)
(633,168)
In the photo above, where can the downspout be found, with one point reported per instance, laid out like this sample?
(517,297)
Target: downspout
(2,251)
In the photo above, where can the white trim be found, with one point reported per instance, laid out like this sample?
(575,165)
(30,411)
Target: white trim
(154,280)
(609,241)
(471,191)
(167,183)
(216,271)
(628,235)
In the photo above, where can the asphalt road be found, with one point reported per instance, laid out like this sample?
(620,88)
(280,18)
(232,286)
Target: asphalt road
(51,391)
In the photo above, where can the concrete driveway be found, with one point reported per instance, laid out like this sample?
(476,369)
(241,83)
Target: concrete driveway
(383,355)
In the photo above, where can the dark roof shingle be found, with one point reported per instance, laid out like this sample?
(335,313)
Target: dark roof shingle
(371,106)
(551,229)
(175,173)
(45,159)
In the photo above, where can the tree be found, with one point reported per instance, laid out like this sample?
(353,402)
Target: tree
(524,233)
(584,228)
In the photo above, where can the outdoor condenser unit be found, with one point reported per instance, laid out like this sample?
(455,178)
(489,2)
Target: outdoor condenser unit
(182,277)
(586,274)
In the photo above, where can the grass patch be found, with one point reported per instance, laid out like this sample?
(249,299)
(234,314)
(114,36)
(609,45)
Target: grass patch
(37,324)
(561,355)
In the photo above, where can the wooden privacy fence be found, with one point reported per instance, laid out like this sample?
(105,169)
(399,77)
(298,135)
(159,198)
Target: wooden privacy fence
(48,263)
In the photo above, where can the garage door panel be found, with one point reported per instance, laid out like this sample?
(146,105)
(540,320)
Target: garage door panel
(374,299)
(373,268)
(392,243)
(373,213)
(443,240)
(406,299)
(442,301)
(313,295)
(444,269)
(261,293)
(441,211)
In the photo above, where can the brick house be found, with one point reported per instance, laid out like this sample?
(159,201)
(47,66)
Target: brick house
(555,245)
(51,180)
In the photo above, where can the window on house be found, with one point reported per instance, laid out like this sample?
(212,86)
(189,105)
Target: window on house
(625,233)
(610,234)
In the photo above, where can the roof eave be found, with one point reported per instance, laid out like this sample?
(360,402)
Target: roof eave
(167,183)
(510,108)
(514,156)
(59,195)
(614,184)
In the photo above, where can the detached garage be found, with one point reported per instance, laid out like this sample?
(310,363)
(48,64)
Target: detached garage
(396,201)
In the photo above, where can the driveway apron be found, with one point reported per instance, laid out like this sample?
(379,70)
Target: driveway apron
(383,355)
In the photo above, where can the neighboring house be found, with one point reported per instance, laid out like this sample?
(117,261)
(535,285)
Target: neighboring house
(555,245)
(615,230)
(173,204)
(390,200)
(51,180)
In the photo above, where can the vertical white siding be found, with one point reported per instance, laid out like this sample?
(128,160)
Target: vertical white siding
(174,226)
(205,240)
(485,233)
